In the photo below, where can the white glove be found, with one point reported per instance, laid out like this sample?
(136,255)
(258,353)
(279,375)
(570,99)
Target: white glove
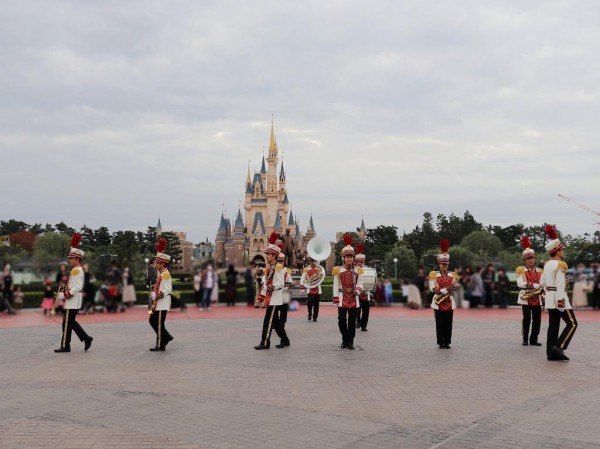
(536,286)
(61,296)
(444,291)
(153,296)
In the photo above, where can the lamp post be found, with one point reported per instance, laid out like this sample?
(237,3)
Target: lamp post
(395,268)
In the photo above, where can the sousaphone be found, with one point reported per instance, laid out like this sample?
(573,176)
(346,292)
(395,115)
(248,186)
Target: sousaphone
(319,249)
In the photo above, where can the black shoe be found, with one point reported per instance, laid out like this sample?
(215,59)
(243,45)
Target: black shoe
(350,346)
(557,354)
(88,343)
(442,347)
(525,343)
(261,346)
(535,343)
(283,344)
(364,329)
(343,345)
(309,317)
(156,348)
(447,346)
(314,320)
(62,350)
(169,339)
(357,325)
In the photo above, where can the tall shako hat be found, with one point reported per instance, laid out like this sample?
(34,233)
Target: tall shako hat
(360,251)
(444,257)
(527,252)
(160,252)
(554,244)
(347,250)
(273,248)
(75,251)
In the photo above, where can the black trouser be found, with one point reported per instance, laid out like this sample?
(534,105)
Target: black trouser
(562,342)
(362,316)
(533,315)
(489,295)
(157,321)
(283,311)
(70,324)
(271,322)
(475,301)
(443,326)
(347,324)
(313,305)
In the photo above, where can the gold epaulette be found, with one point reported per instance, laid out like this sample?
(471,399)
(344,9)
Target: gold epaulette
(433,274)
(165,275)
(454,275)
(539,270)
(520,271)
(288,270)
(335,271)
(563,265)
(359,270)
(278,267)
(75,271)
(305,269)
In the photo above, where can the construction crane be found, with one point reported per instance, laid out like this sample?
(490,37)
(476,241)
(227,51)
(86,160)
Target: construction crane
(583,206)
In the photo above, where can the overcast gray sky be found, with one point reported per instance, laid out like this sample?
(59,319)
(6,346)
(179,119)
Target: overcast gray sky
(113,112)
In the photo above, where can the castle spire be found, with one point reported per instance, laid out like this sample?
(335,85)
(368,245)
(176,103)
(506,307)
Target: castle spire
(272,142)
(248,181)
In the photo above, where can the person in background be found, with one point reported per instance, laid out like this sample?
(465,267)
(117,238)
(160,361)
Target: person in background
(89,289)
(476,288)
(7,290)
(488,278)
(387,291)
(502,284)
(209,282)
(48,298)
(197,282)
(129,296)
(249,283)
(230,285)
(18,298)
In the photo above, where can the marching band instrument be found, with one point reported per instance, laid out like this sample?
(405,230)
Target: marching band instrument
(531,292)
(442,298)
(369,278)
(319,249)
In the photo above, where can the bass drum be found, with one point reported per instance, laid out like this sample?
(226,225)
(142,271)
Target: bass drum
(369,278)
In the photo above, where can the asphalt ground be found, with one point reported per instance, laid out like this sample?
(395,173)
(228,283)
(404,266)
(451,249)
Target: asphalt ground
(211,389)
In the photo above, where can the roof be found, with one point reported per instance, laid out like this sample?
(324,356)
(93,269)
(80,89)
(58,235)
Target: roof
(259,224)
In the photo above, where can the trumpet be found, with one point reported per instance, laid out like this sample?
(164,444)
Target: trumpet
(442,298)
(532,292)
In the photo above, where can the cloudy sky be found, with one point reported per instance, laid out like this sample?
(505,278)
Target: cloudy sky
(114,112)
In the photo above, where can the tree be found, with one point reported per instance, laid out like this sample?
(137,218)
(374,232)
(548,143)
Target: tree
(340,244)
(12,226)
(173,248)
(379,241)
(48,249)
(23,239)
(483,243)
(510,236)
(102,236)
(510,260)
(64,229)
(407,261)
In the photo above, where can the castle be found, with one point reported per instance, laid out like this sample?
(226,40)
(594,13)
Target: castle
(266,209)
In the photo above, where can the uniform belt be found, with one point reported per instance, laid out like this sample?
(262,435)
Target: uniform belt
(551,289)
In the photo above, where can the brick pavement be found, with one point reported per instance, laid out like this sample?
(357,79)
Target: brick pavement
(210,389)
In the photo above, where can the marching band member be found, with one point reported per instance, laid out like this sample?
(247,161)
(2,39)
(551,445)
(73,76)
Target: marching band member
(528,281)
(162,297)
(314,293)
(272,295)
(72,298)
(441,283)
(554,281)
(287,282)
(362,316)
(347,286)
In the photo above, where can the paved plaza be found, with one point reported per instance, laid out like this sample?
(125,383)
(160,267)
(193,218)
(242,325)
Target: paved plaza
(211,389)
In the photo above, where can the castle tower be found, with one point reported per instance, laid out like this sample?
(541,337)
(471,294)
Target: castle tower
(362,231)
(158,228)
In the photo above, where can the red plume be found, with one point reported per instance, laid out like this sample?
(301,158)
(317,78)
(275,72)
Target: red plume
(161,245)
(525,243)
(273,237)
(551,232)
(444,245)
(348,240)
(360,248)
(75,239)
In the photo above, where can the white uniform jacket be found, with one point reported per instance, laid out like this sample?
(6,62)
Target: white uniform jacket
(338,288)
(165,287)
(554,280)
(304,278)
(434,286)
(277,281)
(73,292)
(522,283)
